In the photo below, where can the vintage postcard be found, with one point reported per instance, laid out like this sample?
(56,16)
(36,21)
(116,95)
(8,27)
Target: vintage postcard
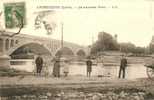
(76,49)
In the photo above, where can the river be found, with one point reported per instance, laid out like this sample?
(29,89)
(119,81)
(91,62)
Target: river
(133,71)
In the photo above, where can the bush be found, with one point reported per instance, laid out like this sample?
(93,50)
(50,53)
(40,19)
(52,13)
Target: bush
(11,72)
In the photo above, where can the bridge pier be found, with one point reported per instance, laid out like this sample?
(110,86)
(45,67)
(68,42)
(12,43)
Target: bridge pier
(4,61)
(4,58)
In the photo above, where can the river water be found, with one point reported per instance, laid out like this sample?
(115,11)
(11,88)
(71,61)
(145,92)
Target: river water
(133,71)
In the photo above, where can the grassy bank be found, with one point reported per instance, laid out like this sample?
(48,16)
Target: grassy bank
(41,89)
(51,93)
(87,86)
(10,72)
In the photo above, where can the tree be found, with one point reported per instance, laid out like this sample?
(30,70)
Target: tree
(64,51)
(127,47)
(139,50)
(81,53)
(105,42)
(151,47)
(131,48)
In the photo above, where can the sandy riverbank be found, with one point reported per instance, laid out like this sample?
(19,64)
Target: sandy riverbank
(74,88)
(74,83)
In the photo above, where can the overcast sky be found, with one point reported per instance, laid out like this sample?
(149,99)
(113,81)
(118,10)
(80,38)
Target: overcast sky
(131,20)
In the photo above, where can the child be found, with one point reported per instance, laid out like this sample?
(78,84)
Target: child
(66,68)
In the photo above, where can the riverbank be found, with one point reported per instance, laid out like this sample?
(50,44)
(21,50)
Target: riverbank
(74,88)
(30,83)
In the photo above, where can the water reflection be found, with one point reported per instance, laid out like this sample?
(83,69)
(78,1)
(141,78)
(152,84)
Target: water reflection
(132,71)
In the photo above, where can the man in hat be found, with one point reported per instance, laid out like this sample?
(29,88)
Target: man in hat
(123,65)
(39,64)
(89,67)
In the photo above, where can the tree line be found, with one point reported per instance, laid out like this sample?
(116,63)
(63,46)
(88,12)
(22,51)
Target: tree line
(107,42)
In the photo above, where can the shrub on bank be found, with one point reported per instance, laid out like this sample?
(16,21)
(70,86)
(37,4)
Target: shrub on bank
(10,72)
(82,96)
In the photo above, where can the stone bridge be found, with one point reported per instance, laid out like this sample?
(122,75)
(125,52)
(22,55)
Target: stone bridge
(40,45)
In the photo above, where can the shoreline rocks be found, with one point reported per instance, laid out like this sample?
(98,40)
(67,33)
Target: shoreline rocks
(81,96)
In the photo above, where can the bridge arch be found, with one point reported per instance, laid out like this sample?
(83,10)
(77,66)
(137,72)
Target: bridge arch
(81,52)
(65,51)
(34,47)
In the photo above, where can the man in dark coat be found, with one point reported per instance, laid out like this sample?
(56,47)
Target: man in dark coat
(123,65)
(89,67)
(39,64)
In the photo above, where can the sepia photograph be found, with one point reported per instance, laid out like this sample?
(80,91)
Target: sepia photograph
(76,49)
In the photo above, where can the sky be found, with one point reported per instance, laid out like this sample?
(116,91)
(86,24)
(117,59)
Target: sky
(131,20)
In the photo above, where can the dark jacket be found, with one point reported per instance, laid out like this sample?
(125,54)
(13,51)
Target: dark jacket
(39,61)
(123,63)
(89,65)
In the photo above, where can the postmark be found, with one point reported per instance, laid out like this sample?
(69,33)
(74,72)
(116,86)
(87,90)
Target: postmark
(41,20)
(14,14)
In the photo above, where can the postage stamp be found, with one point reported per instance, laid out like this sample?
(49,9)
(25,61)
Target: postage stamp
(14,14)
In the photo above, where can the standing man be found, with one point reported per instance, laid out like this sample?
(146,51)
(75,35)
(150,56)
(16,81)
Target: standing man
(89,67)
(123,65)
(39,64)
